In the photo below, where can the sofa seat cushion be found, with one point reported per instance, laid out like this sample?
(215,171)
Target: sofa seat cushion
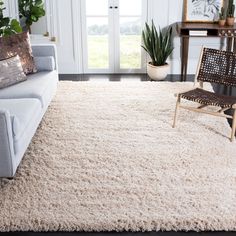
(35,87)
(22,112)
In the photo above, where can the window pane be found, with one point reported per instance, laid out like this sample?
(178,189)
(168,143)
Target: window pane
(130,43)
(97,7)
(98,47)
(131,7)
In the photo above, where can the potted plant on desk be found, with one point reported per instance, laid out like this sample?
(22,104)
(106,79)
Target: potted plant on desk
(222,17)
(230,13)
(158,45)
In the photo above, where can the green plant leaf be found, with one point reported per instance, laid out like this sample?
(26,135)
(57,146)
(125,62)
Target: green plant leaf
(8,26)
(15,25)
(31,10)
(4,21)
(158,44)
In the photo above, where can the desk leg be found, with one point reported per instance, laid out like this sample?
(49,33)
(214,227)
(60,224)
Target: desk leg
(184,58)
(229,44)
(234,47)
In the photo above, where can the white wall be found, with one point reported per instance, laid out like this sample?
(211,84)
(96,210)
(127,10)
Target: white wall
(40,27)
(6,12)
(11,8)
(68,35)
(65,15)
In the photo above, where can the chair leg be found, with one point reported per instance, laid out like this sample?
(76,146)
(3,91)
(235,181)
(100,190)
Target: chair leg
(233,126)
(176,111)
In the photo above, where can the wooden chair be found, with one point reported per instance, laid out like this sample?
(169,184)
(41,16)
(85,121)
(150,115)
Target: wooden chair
(217,67)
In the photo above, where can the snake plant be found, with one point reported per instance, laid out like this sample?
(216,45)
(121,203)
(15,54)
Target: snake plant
(157,44)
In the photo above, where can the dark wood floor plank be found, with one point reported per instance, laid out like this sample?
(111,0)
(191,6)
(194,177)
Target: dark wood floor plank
(117,77)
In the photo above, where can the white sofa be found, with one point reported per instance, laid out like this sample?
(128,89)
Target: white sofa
(22,107)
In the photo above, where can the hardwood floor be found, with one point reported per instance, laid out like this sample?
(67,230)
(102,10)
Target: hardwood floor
(118,78)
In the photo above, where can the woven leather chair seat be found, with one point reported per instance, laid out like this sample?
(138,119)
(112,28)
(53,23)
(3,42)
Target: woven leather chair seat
(208,98)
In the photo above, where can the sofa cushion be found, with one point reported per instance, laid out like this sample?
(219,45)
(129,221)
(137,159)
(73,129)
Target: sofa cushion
(35,87)
(18,44)
(45,63)
(45,50)
(11,72)
(22,111)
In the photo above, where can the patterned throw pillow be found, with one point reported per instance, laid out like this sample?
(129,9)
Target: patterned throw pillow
(18,44)
(11,72)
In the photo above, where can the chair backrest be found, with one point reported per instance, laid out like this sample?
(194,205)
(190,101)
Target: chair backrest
(218,67)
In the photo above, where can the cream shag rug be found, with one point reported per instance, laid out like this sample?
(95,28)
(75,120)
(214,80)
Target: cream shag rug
(105,158)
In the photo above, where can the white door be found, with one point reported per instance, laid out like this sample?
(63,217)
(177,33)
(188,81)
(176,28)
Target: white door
(111,35)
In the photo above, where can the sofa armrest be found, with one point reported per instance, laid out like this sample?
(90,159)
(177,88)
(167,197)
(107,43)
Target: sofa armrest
(7,168)
(45,50)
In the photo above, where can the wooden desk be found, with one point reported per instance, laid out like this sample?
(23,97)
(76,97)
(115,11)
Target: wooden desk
(213,30)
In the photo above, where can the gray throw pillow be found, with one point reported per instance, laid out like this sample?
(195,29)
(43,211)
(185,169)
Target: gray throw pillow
(11,72)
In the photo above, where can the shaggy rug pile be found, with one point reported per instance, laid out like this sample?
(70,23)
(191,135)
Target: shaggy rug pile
(105,158)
